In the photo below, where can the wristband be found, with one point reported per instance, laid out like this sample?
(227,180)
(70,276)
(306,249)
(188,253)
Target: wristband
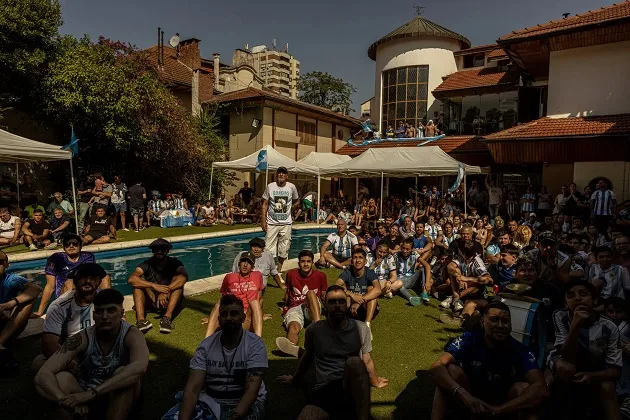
(456,389)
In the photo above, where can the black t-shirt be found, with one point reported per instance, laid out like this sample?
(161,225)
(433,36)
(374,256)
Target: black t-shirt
(136,196)
(161,271)
(246,194)
(38,228)
(99,226)
(87,196)
(571,206)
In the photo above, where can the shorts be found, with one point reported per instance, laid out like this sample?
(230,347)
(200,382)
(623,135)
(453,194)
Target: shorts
(307,204)
(120,207)
(7,235)
(95,237)
(278,239)
(300,314)
(137,211)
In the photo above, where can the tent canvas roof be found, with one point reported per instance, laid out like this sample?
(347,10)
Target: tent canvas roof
(275,159)
(19,149)
(323,160)
(400,162)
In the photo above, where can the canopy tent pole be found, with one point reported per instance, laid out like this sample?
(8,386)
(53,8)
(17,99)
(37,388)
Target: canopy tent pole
(381,196)
(356,190)
(17,182)
(465,194)
(74,199)
(210,189)
(415,204)
(319,179)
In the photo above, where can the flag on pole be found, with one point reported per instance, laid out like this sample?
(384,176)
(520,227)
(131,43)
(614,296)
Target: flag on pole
(261,164)
(458,181)
(73,146)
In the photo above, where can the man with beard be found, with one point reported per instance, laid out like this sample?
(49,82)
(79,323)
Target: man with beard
(229,366)
(111,358)
(488,372)
(71,312)
(59,269)
(17,295)
(246,285)
(409,266)
(276,220)
(342,243)
(158,283)
(554,265)
(586,360)
(338,349)
(302,301)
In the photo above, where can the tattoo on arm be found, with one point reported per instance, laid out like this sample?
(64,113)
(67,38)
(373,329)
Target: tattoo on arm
(255,374)
(72,343)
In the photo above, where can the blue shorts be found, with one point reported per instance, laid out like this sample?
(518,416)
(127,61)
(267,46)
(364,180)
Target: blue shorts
(120,207)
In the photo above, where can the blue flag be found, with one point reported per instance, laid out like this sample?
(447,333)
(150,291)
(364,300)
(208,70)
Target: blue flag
(73,146)
(261,164)
(458,181)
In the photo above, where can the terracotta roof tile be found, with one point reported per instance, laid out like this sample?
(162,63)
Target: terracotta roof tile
(253,93)
(450,144)
(485,77)
(497,53)
(547,127)
(173,70)
(605,14)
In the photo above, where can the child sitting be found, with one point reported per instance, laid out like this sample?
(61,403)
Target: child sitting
(610,279)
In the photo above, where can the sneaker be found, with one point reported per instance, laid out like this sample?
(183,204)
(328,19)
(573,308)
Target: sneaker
(137,231)
(166,325)
(425,297)
(433,261)
(51,246)
(388,295)
(415,300)
(32,247)
(452,320)
(287,347)
(457,305)
(446,303)
(143,325)
(126,230)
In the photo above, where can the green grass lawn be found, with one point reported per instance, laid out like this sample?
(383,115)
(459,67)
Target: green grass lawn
(153,232)
(406,341)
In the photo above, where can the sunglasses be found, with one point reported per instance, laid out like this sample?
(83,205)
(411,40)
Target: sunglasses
(71,243)
(336,301)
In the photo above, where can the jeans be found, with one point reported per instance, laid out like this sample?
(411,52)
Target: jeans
(409,282)
(83,209)
(493,211)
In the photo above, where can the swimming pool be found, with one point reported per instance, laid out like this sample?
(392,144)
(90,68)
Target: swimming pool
(202,258)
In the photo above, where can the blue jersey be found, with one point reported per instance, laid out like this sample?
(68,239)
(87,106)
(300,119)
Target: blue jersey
(505,274)
(419,243)
(491,372)
(10,286)
(405,267)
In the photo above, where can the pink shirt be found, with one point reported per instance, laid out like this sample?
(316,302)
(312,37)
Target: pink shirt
(245,288)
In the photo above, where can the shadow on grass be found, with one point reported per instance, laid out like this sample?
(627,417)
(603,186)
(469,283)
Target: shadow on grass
(416,399)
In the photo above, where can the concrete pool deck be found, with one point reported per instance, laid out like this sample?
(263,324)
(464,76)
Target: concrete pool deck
(192,288)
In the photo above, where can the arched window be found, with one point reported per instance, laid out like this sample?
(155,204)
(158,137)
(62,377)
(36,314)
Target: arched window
(404,96)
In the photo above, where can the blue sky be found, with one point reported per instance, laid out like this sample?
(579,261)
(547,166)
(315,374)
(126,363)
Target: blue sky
(325,35)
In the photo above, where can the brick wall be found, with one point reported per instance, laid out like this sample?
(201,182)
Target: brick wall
(206,85)
(189,53)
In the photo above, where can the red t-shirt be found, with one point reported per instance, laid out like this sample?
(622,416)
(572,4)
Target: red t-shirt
(298,286)
(246,288)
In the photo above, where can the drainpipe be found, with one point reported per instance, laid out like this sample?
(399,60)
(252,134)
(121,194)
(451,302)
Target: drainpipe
(216,56)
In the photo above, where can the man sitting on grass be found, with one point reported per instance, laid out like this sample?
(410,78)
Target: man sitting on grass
(488,373)
(59,225)
(16,303)
(586,360)
(384,266)
(409,272)
(229,367)
(302,304)
(158,284)
(99,229)
(362,288)
(36,231)
(72,312)
(10,228)
(246,285)
(338,349)
(342,243)
(111,358)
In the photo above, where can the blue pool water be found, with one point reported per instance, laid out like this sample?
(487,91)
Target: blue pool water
(203,258)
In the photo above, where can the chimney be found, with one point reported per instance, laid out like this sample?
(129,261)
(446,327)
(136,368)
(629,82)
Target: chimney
(189,53)
(215,57)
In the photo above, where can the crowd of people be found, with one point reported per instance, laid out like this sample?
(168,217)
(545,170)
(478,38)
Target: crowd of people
(474,264)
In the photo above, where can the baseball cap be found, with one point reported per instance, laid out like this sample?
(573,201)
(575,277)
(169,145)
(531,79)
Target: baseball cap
(259,242)
(160,243)
(88,270)
(247,257)
(547,236)
(282,169)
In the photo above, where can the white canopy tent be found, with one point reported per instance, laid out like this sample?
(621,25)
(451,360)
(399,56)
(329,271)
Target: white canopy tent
(22,150)
(401,162)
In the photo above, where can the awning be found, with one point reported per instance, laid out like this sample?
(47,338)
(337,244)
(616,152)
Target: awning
(16,149)
(275,160)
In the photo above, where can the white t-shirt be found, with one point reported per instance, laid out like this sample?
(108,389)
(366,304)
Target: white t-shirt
(65,318)
(433,231)
(342,246)
(7,229)
(226,384)
(494,195)
(280,201)
(382,270)
(616,280)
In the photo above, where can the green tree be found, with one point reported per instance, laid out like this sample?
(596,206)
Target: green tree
(28,29)
(325,90)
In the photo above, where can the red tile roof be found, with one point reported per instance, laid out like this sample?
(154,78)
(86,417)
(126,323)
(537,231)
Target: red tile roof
(593,17)
(547,127)
(476,78)
(253,93)
(497,53)
(450,144)
(173,70)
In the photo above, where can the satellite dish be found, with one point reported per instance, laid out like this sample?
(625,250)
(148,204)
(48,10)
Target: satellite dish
(174,41)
